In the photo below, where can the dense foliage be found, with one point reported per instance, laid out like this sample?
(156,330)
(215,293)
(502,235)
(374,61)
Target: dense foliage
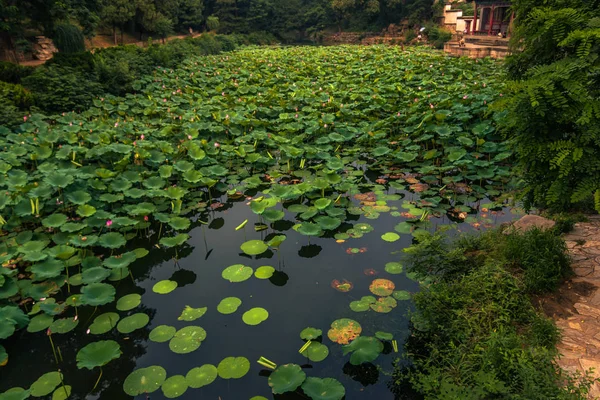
(475,333)
(553,107)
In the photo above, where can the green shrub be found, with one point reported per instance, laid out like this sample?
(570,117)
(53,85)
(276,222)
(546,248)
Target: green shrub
(13,73)
(541,256)
(566,222)
(13,99)
(438,36)
(68,38)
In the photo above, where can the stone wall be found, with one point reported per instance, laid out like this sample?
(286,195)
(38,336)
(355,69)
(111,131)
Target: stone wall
(44,48)
(392,34)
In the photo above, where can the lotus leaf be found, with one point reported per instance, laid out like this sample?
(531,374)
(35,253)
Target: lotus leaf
(276,241)
(201,376)
(237,273)
(164,287)
(390,237)
(85,210)
(192,314)
(162,333)
(112,240)
(104,323)
(382,287)
(326,222)
(310,333)
(94,275)
(364,304)
(229,305)
(54,220)
(15,393)
(255,316)
(384,304)
(264,272)
(133,322)
(383,335)
(62,392)
(39,323)
(129,302)
(401,295)
(344,330)
(233,367)
(97,294)
(98,354)
(254,247)
(363,349)
(79,197)
(63,325)
(273,215)
(144,380)
(174,241)
(179,223)
(187,339)
(322,204)
(309,229)
(316,352)
(174,386)
(45,384)
(323,389)
(49,268)
(286,378)
(393,268)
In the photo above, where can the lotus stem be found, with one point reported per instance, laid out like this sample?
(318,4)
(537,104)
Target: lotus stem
(395,345)
(98,381)
(266,363)
(59,354)
(53,349)
(160,230)
(306,346)
(90,317)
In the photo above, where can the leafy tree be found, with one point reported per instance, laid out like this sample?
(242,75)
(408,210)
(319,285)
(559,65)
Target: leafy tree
(190,13)
(212,23)
(117,13)
(342,10)
(553,107)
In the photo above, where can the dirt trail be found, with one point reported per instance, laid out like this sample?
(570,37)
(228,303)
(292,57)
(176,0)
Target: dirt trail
(576,305)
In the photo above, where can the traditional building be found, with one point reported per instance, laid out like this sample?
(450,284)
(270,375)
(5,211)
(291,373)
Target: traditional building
(492,17)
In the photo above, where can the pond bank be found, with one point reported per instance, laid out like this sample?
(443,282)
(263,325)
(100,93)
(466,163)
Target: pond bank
(575,307)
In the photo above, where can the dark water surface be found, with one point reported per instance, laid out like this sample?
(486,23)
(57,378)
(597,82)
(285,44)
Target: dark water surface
(298,296)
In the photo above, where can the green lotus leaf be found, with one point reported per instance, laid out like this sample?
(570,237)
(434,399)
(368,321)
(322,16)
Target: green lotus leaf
(272,215)
(45,384)
(74,300)
(276,241)
(233,367)
(174,386)
(383,335)
(316,352)
(264,272)
(133,322)
(10,288)
(187,339)
(192,176)
(83,241)
(71,227)
(144,381)
(364,349)
(62,392)
(297,208)
(94,275)
(384,305)
(104,323)
(98,354)
(364,304)
(382,287)
(79,197)
(310,333)
(255,316)
(323,389)
(254,247)
(49,268)
(179,223)
(85,210)
(34,246)
(54,220)
(390,237)
(326,222)
(309,229)
(175,193)
(192,314)
(39,323)
(51,307)
(229,305)
(286,378)
(58,179)
(177,240)
(322,203)
(97,294)
(393,268)
(162,333)
(258,207)
(401,295)
(344,330)
(380,151)
(363,228)
(164,287)
(237,273)
(63,325)
(201,376)
(154,182)
(15,393)
(120,261)
(129,302)
(112,240)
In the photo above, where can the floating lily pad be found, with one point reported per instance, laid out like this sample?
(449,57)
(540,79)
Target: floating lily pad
(162,333)
(364,304)
(229,305)
(286,378)
(393,268)
(323,389)
(94,275)
(233,367)
(174,386)
(309,229)
(54,221)
(343,286)
(61,393)
(363,349)
(144,380)
(401,295)
(384,304)
(237,273)
(97,294)
(112,240)
(382,287)
(16,393)
(316,352)
(129,302)
(363,228)
(255,316)
(254,247)
(383,335)
(45,384)
(264,272)
(63,325)
(175,240)
(310,333)
(390,237)
(104,323)
(164,287)
(97,354)
(344,330)
(39,323)
(192,314)
(187,339)
(133,322)
(201,376)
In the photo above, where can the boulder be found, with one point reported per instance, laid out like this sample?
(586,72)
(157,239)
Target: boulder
(529,222)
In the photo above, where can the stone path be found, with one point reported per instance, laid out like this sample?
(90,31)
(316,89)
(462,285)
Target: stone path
(576,306)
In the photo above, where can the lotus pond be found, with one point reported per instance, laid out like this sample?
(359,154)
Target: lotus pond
(235,228)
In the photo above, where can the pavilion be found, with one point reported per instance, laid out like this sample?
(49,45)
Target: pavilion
(492,17)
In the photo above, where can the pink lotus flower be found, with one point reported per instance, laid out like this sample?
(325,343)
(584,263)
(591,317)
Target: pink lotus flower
(108,223)
(465,97)
(88,331)
(430,105)
(217,144)
(116,124)
(223,94)
(145,218)
(142,137)
(164,100)
(25,118)
(190,137)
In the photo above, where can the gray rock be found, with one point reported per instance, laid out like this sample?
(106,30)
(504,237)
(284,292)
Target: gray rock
(529,222)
